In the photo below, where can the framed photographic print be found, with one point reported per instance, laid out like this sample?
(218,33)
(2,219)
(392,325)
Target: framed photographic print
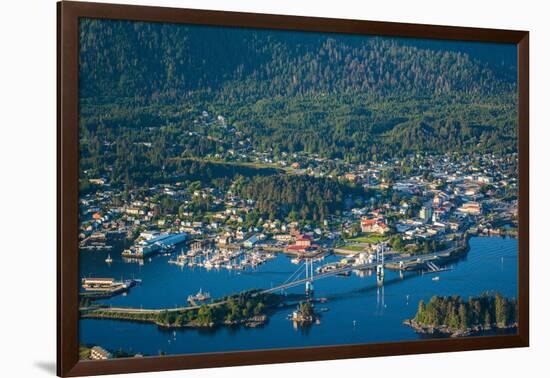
(242,188)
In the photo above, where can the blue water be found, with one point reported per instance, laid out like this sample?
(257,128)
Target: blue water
(358,310)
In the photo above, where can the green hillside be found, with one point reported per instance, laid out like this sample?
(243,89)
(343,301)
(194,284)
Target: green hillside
(143,86)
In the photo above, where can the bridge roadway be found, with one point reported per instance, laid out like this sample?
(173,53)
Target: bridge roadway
(130,310)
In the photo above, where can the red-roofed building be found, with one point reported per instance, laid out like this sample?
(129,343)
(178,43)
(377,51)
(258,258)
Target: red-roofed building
(376,225)
(304,240)
(304,243)
(473,208)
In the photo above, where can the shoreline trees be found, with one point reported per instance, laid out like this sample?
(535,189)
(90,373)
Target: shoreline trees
(455,313)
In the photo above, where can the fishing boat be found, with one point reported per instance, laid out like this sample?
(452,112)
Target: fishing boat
(108,260)
(436,278)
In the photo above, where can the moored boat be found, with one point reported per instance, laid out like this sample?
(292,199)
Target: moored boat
(199,297)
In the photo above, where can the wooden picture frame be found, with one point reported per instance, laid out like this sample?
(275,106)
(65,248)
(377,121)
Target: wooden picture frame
(69,13)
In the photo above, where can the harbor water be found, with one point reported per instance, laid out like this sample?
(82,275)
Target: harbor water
(357,310)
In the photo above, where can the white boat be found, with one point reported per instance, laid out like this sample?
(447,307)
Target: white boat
(199,297)
(436,278)
(108,260)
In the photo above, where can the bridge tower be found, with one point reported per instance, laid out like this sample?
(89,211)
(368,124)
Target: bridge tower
(380,265)
(309,277)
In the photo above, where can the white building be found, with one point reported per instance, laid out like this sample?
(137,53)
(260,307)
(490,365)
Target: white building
(98,353)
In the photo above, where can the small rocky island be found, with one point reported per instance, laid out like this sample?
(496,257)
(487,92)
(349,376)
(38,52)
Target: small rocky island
(305,314)
(452,316)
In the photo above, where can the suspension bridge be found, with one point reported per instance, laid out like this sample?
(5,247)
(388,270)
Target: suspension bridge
(304,275)
(378,264)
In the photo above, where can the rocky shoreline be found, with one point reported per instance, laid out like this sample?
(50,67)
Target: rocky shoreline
(252,322)
(454,332)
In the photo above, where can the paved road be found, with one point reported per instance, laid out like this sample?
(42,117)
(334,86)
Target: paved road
(133,310)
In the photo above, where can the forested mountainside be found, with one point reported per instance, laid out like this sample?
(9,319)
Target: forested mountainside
(144,88)
(166,61)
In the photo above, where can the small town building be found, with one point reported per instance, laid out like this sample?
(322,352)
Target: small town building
(376,225)
(472,208)
(303,243)
(224,240)
(426,213)
(98,353)
(97,181)
(97,283)
(282,237)
(250,242)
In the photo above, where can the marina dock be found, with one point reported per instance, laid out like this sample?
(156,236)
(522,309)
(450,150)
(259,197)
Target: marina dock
(96,288)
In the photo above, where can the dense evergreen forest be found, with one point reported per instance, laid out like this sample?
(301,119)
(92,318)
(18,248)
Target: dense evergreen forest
(456,313)
(143,86)
(297,197)
(153,61)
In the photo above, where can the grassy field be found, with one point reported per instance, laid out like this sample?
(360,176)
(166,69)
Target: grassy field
(256,165)
(352,248)
(372,238)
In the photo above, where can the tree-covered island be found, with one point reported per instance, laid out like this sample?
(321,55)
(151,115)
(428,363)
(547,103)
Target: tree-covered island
(249,308)
(452,315)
